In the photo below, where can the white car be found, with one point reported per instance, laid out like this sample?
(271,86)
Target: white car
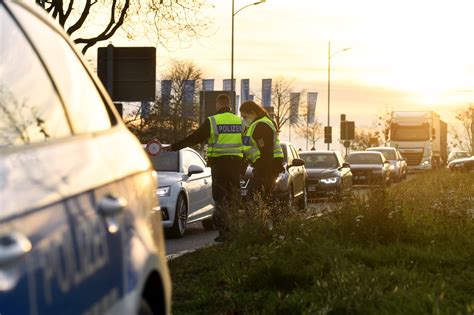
(184,189)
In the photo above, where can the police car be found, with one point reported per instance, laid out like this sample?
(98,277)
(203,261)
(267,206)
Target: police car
(77,234)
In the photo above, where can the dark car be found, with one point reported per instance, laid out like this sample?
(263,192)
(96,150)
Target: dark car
(369,168)
(327,174)
(463,164)
(77,231)
(290,186)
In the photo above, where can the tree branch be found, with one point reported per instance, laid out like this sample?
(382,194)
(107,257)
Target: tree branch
(82,18)
(109,30)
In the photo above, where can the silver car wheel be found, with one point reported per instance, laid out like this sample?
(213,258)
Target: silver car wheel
(182,213)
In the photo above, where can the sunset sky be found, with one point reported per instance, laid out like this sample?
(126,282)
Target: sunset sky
(403,54)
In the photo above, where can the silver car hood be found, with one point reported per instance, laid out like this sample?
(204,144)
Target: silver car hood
(169,178)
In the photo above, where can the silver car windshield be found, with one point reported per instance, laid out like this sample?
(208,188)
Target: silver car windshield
(389,154)
(365,159)
(165,162)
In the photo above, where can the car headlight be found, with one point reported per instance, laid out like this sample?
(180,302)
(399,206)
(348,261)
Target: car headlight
(330,180)
(392,167)
(280,177)
(163,191)
(427,162)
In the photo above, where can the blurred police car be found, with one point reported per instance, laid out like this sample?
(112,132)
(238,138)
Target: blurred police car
(76,188)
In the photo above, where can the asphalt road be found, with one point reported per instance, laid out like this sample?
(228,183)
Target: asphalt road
(195,237)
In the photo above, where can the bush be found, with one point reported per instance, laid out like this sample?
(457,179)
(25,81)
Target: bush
(405,250)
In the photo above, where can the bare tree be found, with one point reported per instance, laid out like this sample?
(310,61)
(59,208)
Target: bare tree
(463,136)
(363,138)
(173,119)
(281,101)
(310,131)
(163,21)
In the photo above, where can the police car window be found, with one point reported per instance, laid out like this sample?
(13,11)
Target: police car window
(81,97)
(30,109)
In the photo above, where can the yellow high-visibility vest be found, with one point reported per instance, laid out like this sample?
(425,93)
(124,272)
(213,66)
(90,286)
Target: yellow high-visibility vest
(251,150)
(226,135)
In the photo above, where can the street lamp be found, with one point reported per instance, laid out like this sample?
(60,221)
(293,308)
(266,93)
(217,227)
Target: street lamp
(232,87)
(329,79)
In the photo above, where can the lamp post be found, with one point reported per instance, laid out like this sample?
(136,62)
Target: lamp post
(234,13)
(329,79)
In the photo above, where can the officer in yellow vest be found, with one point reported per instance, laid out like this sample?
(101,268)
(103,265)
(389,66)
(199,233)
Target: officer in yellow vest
(261,148)
(223,133)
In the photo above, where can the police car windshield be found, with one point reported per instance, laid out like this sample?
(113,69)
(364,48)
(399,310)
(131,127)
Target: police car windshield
(165,162)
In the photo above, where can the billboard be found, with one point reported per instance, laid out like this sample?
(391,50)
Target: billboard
(207,103)
(312,98)
(128,73)
(294,106)
(267,92)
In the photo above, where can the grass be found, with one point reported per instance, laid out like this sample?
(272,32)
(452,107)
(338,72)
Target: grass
(406,250)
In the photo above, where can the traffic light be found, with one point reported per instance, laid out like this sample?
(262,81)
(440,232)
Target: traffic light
(347,130)
(328,134)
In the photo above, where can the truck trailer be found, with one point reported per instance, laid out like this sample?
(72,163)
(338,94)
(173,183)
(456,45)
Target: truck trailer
(421,137)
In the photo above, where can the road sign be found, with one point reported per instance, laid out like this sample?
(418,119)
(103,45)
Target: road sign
(128,73)
(153,147)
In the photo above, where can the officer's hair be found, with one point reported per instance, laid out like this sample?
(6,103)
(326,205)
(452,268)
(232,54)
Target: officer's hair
(223,100)
(251,106)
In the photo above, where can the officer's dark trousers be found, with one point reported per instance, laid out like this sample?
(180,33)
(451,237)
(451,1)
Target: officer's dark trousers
(225,188)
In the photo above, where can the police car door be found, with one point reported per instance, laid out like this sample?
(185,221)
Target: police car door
(60,245)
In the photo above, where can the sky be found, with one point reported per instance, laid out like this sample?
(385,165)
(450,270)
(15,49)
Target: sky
(404,55)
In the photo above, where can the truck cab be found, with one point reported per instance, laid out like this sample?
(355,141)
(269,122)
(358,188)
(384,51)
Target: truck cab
(421,138)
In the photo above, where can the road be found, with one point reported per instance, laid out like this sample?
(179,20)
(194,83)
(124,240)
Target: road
(195,237)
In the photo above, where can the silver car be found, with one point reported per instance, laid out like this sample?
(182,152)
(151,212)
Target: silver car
(184,189)
(369,168)
(398,169)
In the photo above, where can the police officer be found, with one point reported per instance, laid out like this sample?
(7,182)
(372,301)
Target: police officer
(261,148)
(223,131)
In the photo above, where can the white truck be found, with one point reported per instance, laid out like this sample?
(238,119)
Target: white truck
(421,138)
